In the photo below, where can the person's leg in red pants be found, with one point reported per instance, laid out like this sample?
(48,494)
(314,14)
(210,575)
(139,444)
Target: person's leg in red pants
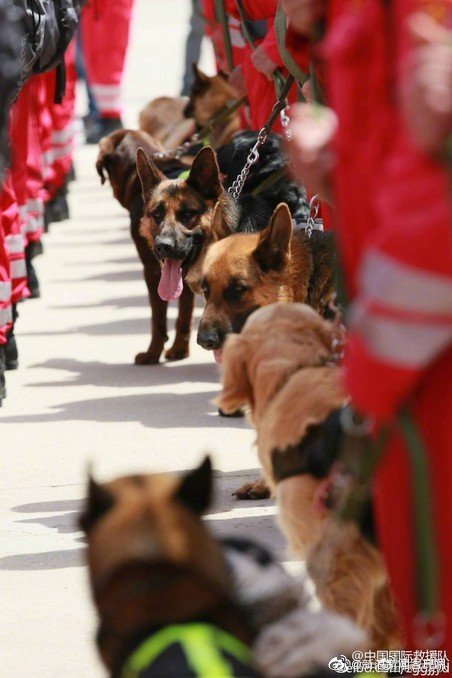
(105,37)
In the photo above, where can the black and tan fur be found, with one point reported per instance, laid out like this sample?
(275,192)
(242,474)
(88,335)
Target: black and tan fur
(242,272)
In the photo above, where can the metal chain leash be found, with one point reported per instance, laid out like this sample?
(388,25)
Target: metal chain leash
(285,120)
(314,206)
(221,116)
(237,186)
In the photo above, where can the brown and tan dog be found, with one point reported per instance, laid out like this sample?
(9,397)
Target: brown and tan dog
(165,120)
(153,564)
(243,272)
(208,96)
(279,366)
(175,225)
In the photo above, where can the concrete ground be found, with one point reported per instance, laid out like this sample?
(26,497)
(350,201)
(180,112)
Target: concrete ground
(78,398)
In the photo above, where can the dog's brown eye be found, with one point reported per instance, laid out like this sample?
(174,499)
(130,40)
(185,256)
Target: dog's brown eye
(187,215)
(234,291)
(205,289)
(157,214)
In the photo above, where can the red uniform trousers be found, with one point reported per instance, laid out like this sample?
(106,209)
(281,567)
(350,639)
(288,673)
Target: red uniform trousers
(396,249)
(5,288)
(105,36)
(14,240)
(261,91)
(57,127)
(24,150)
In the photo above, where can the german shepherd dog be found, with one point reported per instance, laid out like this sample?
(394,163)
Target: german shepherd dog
(242,272)
(165,121)
(175,223)
(208,95)
(156,573)
(174,601)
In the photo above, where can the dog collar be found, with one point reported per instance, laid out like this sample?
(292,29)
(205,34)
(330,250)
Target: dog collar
(313,225)
(206,649)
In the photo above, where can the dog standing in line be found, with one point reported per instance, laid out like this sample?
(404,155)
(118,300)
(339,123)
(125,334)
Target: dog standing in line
(174,215)
(242,272)
(280,366)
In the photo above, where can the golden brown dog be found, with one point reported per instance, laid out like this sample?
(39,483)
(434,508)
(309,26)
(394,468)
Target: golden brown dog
(164,119)
(208,96)
(153,564)
(243,272)
(280,366)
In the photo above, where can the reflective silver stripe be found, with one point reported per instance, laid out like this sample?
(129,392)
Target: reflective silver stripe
(34,205)
(107,96)
(6,316)
(397,285)
(64,135)
(34,223)
(60,152)
(237,39)
(5,291)
(18,269)
(398,342)
(14,243)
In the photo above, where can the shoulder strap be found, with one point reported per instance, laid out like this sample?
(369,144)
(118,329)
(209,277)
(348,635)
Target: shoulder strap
(289,61)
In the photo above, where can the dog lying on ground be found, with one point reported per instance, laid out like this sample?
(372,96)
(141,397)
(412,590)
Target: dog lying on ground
(165,121)
(173,601)
(208,95)
(240,273)
(280,367)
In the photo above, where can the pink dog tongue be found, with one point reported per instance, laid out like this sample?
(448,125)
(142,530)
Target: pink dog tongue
(218,355)
(171,284)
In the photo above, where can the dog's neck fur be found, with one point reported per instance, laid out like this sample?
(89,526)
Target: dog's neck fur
(135,603)
(224,133)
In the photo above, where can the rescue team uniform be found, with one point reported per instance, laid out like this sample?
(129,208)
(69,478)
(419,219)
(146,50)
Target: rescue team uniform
(105,36)
(395,242)
(260,91)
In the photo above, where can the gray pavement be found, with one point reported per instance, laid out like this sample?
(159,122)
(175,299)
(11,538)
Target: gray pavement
(77,397)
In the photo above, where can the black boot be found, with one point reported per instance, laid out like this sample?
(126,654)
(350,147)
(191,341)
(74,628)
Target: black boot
(101,128)
(33,282)
(2,375)
(11,351)
(56,209)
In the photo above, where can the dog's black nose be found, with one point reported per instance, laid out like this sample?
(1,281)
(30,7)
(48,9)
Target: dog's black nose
(209,338)
(165,247)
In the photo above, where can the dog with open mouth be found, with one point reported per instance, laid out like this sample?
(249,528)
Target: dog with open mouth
(243,272)
(282,367)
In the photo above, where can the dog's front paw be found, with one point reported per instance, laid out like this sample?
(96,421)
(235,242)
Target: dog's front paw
(257,490)
(177,353)
(237,413)
(147,358)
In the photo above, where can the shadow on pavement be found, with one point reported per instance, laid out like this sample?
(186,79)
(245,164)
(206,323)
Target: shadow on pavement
(119,375)
(262,527)
(160,411)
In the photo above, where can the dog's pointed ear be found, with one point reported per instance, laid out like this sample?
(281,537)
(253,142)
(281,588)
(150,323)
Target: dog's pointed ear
(204,174)
(236,388)
(273,248)
(200,77)
(195,489)
(149,174)
(98,502)
(219,227)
